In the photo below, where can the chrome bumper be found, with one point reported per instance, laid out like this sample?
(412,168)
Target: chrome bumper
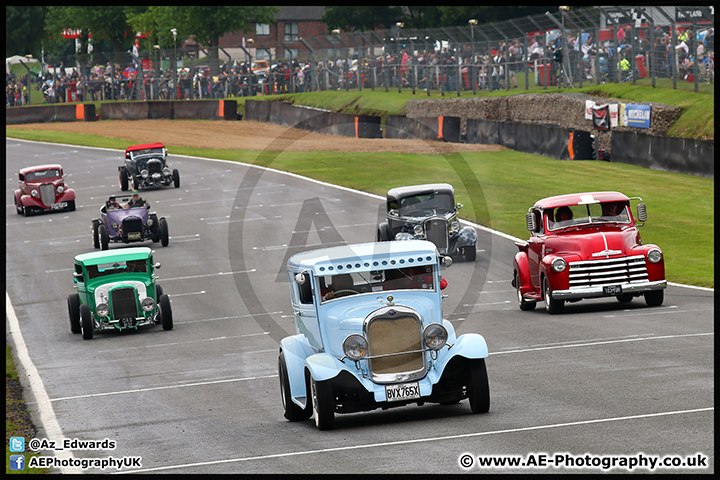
(593,292)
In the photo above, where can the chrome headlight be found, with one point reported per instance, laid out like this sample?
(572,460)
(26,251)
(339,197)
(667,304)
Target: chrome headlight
(144,173)
(454,227)
(60,189)
(102,309)
(147,304)
(435,336)
(654,255)
(166,171)
(34,193)
(418,231)
(404,236)
(559,264)
(149,222)
(114,225)
(355,347)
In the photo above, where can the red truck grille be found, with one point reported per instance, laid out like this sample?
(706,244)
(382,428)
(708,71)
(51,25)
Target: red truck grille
(611,271)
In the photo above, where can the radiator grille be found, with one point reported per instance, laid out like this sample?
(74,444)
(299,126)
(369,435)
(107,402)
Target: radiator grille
(392,337)
(132,225)
(610,271)
(436,230)
(47,194)
(123,303)
(154,166)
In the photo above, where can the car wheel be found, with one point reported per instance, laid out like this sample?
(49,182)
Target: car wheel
(470,253)
(626,298)
(383,233)
(166,317)
(323,404)
(104,237)
(26,211)
(479,388)
(86,322)
(123,179)
(164,235)
(18,206)
(291,410)
(654,298)
(524,305)
(551,306)
(95,234)
(176,178)
(71,206)
(73,303)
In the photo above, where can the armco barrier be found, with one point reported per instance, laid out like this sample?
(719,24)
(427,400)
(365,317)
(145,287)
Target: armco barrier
(125,111)
(672,154)
(50,113)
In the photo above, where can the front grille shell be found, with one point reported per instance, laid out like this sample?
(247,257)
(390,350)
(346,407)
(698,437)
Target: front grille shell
(395,345)
(47,194)
(611,271)
(436,231)
(123,302)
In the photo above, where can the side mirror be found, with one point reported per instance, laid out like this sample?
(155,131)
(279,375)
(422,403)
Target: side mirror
(642,212)
(157,265)
(446,261)
(530,221)
(458,206)
(77,277)
(300,278)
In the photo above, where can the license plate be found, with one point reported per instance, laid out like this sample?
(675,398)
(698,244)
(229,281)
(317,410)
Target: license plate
(58,206)
(404,391)
(612,289)
(134,236)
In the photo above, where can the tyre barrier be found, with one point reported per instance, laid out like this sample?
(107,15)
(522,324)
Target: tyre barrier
(443,128)
(172,110)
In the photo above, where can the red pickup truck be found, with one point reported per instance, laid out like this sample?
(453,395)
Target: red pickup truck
(586,245)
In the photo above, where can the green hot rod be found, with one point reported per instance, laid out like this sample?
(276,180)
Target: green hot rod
(116,290)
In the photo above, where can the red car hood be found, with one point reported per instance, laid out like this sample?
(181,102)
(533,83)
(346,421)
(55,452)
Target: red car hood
(593,243)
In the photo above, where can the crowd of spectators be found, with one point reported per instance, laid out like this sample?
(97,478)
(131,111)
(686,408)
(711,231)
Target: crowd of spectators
(478,66)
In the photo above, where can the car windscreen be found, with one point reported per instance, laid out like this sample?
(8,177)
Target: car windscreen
(425,204)
(130,266)
(51,173)
(407,278)
(594,213)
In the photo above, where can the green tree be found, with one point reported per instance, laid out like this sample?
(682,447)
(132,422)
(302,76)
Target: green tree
(361,18)
(205,24)
(107,22)
(24,30)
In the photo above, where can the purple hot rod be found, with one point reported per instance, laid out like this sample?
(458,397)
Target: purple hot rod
(120,223)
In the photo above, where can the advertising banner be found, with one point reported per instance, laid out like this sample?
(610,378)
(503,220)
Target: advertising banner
(637,115)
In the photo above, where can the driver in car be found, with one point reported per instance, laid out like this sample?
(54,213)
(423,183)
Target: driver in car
(339,282)
(136,201)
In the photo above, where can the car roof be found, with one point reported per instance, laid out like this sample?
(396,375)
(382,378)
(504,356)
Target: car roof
(580,199)
(365,257)
(109,256)
(40,167)
(144,146)
(400,192)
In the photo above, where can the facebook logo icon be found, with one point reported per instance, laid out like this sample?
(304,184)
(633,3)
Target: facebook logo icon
(17,444)
(17,462)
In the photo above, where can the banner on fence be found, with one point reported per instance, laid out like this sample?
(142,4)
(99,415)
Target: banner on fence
(601,117)
(636,115)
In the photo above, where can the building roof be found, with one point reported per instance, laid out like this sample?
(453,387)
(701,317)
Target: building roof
(300,13)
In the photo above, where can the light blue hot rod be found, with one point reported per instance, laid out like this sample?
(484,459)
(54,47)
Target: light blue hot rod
(370,334)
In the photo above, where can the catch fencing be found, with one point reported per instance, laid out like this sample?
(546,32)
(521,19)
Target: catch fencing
(658,46)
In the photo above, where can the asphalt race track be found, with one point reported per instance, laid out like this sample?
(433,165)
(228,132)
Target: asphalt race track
(601,382)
